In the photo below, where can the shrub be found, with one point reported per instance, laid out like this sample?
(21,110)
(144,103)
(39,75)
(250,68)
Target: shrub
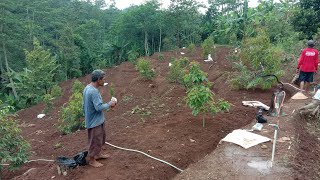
(257,57)
(111,90)
(13,148)
(77,86)
(72,112)
(145,70)
(207,47)
(70,115)
(194,75)
(161,57)
(191,48)
(168,44)
(132,56)
(48,100)
(56,91)
(199,97)
(177,69)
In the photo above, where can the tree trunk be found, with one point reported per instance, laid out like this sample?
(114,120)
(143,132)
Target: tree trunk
(178,39)
(8,70)
(1,70)
(146,47)
(153,45)
(160,39)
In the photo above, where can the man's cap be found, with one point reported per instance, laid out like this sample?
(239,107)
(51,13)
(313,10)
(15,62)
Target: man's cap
(98,72)
(96,75)
(310,43)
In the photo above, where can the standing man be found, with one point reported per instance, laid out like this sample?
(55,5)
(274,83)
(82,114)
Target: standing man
(94,117)
(308,65)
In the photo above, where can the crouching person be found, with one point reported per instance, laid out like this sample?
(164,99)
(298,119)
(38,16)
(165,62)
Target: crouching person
(93,107)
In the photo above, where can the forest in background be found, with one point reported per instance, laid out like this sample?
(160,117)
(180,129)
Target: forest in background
(44,42)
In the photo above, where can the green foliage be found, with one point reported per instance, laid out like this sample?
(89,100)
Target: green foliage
(306,17)
(199,97)
(161,56)
(141,111)
(145,70)
(48,100)
(100,64)
(201,100)
(207,47)
(224,105)
(111,90)
(191,48)
(127,99)
(168,44)
(177,69)
(37,79)
(56,91)
(72,112)
(13,148)
(77,87)
(133,56)
(194,75)
(257,57)
(316,38)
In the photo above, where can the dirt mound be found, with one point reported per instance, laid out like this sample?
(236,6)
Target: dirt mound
(161,124)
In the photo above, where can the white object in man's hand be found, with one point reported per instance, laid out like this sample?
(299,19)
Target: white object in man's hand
(114,99)
(104,84)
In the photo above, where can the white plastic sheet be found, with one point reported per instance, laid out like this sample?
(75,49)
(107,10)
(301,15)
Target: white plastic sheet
(244,138)
(317,95)
(255,104)
(39,116)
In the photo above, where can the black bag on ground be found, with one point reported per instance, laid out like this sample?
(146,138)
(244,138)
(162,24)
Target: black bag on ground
(77,160)
(259,116)
(67,162)
(81,158)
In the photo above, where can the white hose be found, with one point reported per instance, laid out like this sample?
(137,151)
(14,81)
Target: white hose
(293,86)
(145,155)
(46,160)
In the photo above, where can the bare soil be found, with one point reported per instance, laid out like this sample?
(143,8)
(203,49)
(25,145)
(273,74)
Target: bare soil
(164,128)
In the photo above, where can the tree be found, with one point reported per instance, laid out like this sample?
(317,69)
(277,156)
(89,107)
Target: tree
(199,97)
(307,17)
(258,57)
(37,77)
(13,148)
(181,12)
(69,54)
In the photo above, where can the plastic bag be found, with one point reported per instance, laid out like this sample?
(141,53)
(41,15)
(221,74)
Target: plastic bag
(66,162)
(81,158)
(257,127)
(77,160)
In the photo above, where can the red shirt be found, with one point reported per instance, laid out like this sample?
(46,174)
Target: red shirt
(308,61)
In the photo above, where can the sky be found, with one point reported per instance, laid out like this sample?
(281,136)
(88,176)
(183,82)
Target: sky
(121,4)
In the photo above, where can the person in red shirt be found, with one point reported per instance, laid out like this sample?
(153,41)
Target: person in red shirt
(307,65)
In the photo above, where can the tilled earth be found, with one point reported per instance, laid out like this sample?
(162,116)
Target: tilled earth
(152,117)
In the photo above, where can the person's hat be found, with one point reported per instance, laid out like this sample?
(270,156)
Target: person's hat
(310,43)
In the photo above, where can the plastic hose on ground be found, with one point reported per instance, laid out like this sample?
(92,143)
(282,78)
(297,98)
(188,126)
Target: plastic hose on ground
(132,150)
(46,160)
(145,155)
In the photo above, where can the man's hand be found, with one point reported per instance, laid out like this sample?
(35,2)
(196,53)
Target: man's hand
(112,103)
(297,71)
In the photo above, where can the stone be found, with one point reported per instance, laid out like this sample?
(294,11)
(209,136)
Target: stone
(264,146)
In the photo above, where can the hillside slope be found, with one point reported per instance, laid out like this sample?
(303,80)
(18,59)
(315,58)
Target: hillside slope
(164,128)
